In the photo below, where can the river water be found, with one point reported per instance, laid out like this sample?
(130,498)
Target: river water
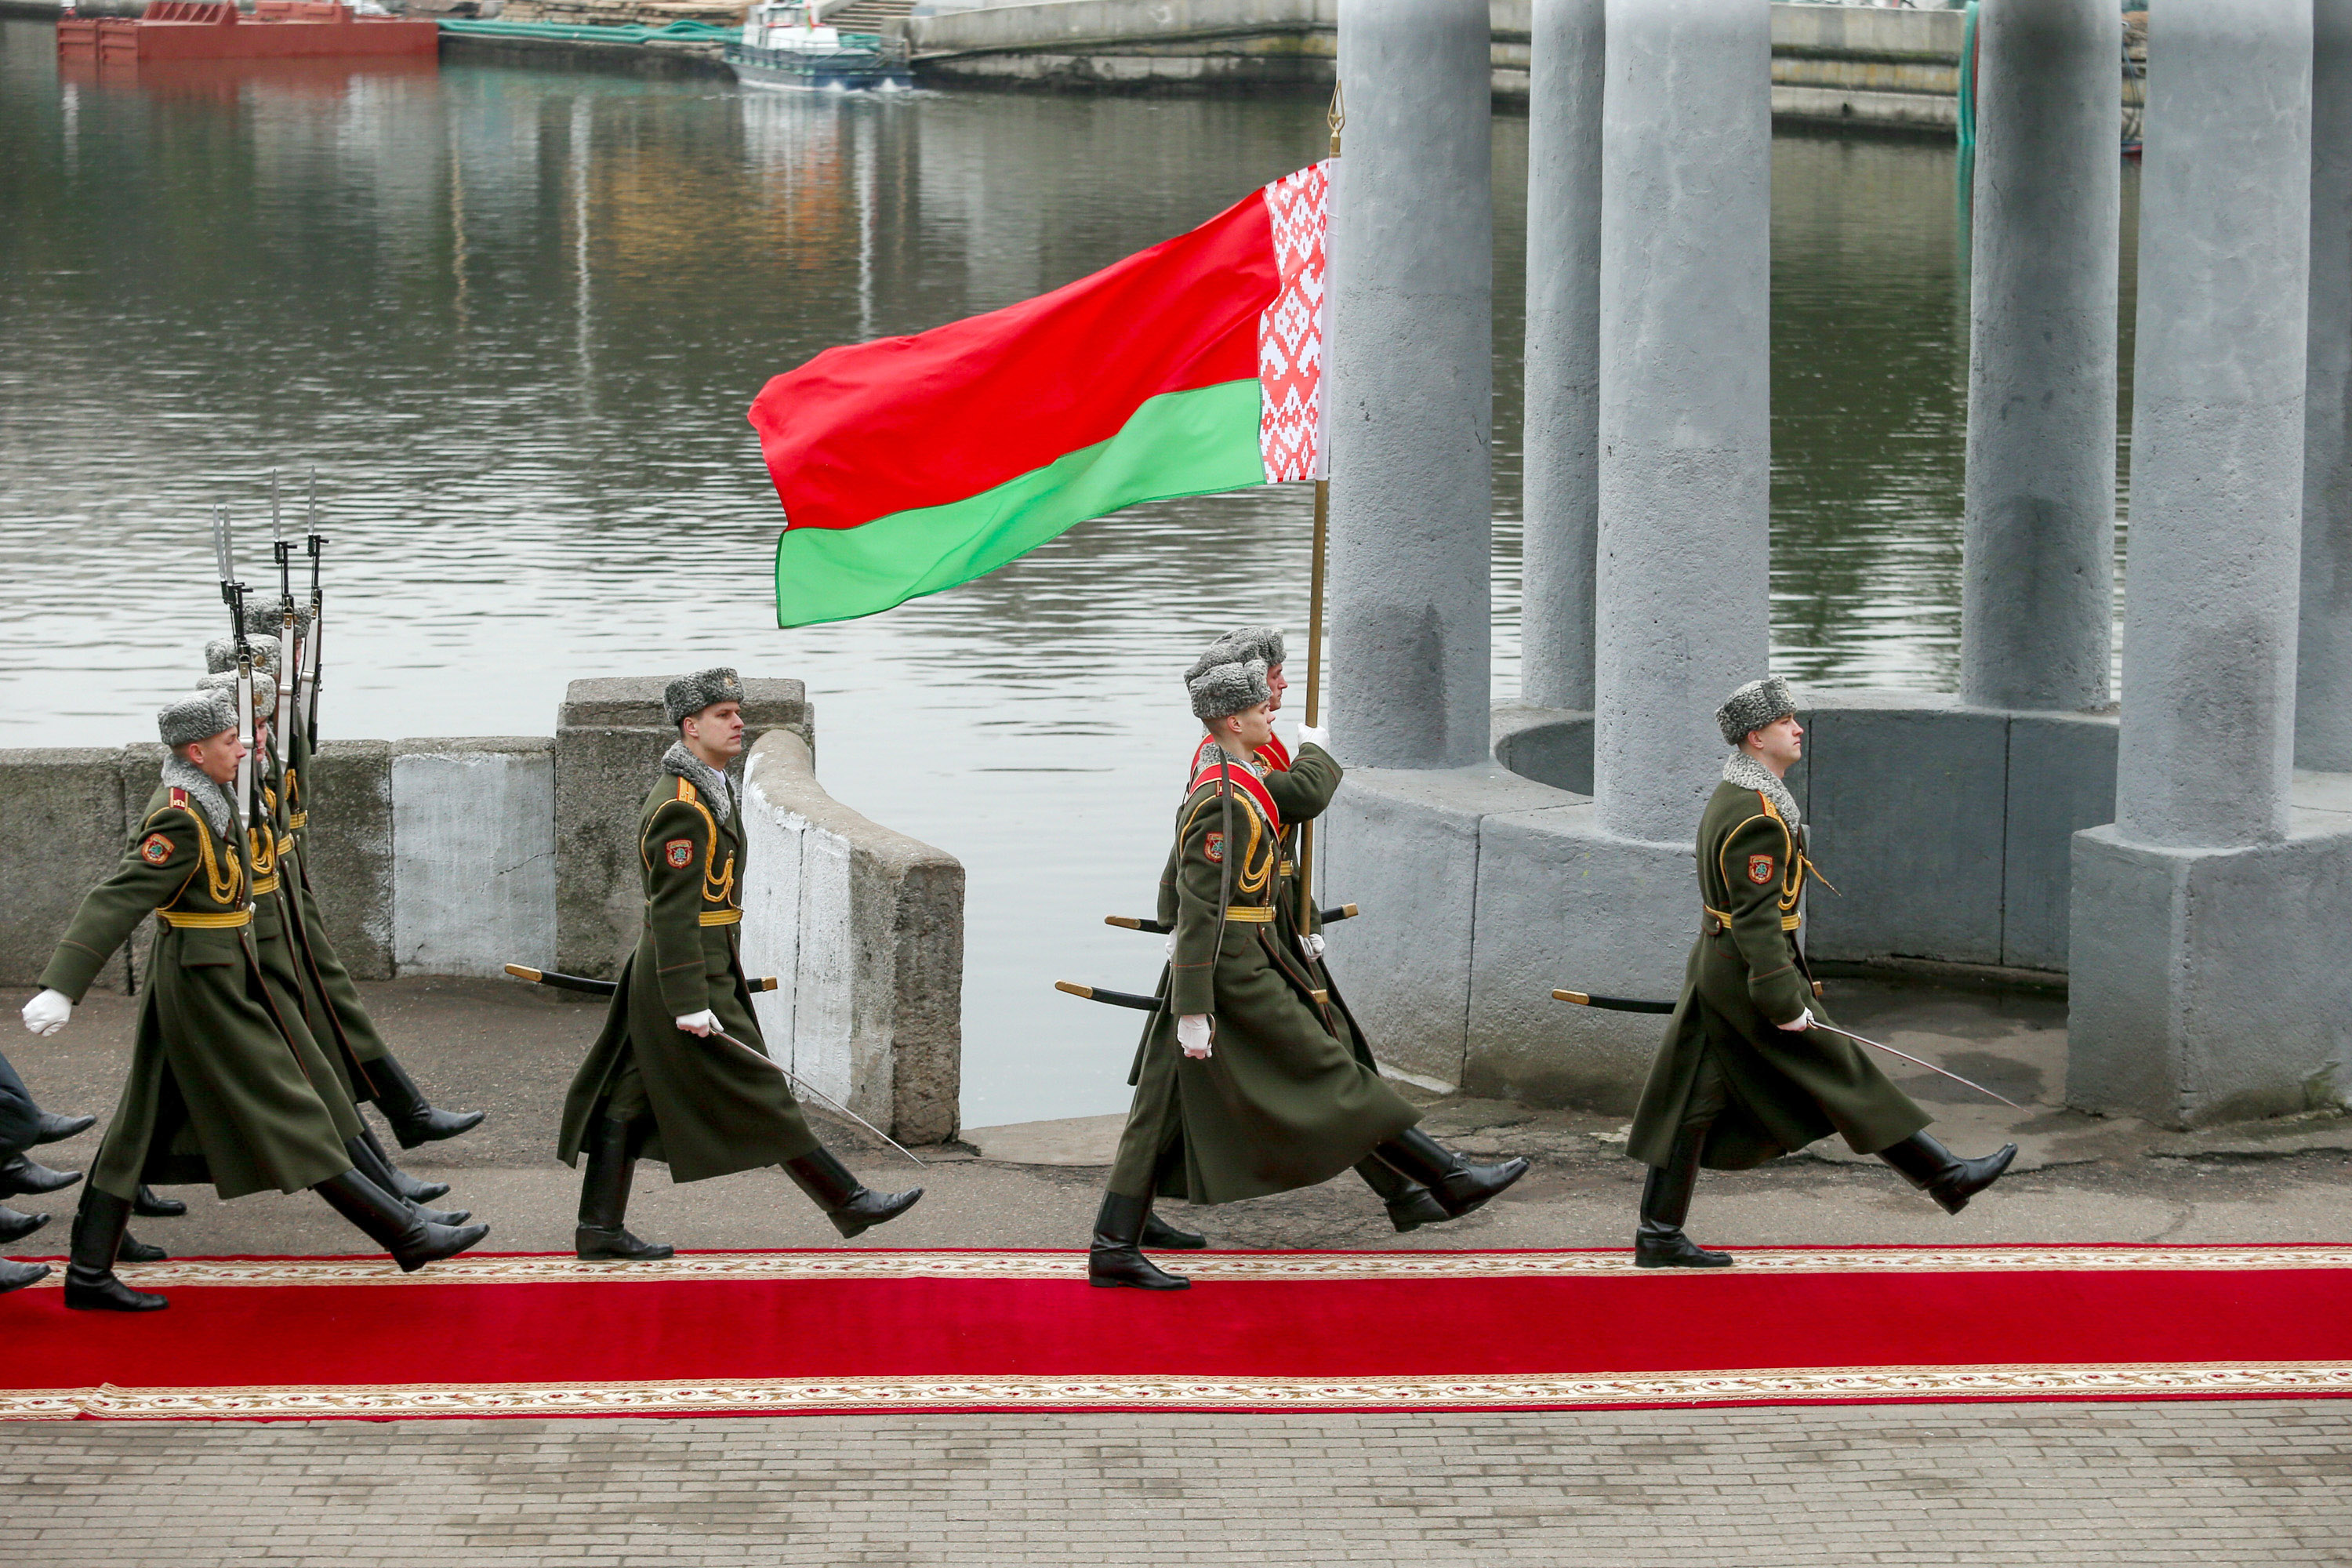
(513,318)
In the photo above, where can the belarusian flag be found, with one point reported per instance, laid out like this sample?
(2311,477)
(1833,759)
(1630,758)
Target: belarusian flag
(909,464)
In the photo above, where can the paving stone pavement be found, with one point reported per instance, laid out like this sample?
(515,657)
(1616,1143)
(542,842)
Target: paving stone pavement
(2151,1483)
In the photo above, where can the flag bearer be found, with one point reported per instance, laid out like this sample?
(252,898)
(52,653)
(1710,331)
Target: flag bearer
(1246,1087)
(661,1081)
(376,1074)
(1744,1077)
(217,1090)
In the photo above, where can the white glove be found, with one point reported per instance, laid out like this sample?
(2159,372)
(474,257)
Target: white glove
(47,1013)
(1800,1024)
(1169,947)
(1314,735)
(1311,944)
(703,1023)
(1192,1033)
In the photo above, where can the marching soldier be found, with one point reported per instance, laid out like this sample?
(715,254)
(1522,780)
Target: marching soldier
(287,971)
(680,1073)
(20,1127)
(1246,1087)
(374,1073)
(1302,788)
(217,1090)
(1744,1077)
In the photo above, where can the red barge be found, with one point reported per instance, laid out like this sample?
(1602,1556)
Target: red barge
(217,30)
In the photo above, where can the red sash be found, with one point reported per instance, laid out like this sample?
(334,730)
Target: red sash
(1250,783)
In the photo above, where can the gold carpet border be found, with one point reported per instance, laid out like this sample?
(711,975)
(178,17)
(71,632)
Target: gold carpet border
(1209,1268)
(881,1395)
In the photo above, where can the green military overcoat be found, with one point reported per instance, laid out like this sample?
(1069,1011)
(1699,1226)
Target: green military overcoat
(1746,973)
(1284,1101)
(716,1108)
(337,1015)
(286,969)
(216,1091)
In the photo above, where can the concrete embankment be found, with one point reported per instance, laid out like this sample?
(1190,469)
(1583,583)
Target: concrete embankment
(456,857)
(1830,63)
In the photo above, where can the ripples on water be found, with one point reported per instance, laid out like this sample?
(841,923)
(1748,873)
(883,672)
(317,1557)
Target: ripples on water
(514,318)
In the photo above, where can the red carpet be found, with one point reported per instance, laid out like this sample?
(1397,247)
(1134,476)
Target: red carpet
(867,1330)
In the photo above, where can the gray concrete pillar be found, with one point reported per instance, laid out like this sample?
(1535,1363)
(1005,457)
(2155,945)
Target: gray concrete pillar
(1409,617)
(1562,481)
(2036,596)
(2212,585)
(2323,700)
(1685,434)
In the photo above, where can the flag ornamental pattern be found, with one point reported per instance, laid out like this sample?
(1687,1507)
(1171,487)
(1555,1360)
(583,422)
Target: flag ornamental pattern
(909,464)
(1290,333)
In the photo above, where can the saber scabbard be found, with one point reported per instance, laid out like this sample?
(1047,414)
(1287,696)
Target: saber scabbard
(1109,998)
(1161,927)
(598,987)
(1611,1003)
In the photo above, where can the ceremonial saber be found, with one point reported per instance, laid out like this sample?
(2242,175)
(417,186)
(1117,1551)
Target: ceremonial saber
(1621,1004)
(1113,998)
(766,983)
(1161,927)
(599,987)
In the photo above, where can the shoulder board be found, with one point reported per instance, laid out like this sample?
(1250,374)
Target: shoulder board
(1275,754)
(1766,802)
(686,790)
(1250,785)
(179,799)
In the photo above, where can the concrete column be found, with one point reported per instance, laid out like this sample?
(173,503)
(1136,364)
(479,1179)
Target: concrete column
(1411,362)
(2217,427)
(1686,436)
(2323,704)
(2036,599)
(1562,484)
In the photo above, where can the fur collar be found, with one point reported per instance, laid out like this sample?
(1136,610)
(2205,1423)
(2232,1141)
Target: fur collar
(1746,772)
(718,789)
(181,774)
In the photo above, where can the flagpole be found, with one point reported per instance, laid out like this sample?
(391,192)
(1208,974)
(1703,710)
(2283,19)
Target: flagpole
(1337,118)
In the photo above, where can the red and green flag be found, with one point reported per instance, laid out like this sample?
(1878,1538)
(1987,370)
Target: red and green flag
(909,464)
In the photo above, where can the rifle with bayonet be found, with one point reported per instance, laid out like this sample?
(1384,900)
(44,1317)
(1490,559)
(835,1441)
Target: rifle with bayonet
(316,658)
(246,801)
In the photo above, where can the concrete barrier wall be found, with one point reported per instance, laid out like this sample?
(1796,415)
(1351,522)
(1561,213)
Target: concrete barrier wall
(473,853)
(864,930)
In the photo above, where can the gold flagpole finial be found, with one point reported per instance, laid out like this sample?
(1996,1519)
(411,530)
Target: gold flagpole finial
(1337,118)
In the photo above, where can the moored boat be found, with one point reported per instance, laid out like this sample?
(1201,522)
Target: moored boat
(784,44)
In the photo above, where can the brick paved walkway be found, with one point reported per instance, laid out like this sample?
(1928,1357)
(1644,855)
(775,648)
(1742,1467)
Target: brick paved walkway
(2189,1483)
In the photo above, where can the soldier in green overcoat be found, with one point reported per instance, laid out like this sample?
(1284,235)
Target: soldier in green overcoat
(1744,1077)
(1246,1087)
(217,1091)
(664,1081)
(338,1016)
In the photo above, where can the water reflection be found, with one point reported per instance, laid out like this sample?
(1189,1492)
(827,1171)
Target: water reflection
(514,318)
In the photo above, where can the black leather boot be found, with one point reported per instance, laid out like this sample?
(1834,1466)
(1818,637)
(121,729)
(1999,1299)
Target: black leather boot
(15,1226)
(1659,1242)
(605,1198)
(90,1284)
(131,1249)
(1411,1205)
(56,1128)
(148,1203)
(1158,1233)
(1944,1175)
(852,1205)
(1116,1255)
(1458,1186)
(416,1189)
(367,1159)
(21,1177)
(414,1120)
(16,1276)
(392,1225)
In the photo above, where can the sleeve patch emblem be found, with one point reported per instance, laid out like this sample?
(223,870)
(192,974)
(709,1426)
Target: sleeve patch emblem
(679,852)
(1217,847)
(1759,869)
(156,849)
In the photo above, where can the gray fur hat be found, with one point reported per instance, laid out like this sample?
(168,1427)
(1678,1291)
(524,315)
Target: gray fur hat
(1263,644)
(1752,707)
(1225,690)
(689,694)
(264,620)
(220,654)
(265,692)
(196,718)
